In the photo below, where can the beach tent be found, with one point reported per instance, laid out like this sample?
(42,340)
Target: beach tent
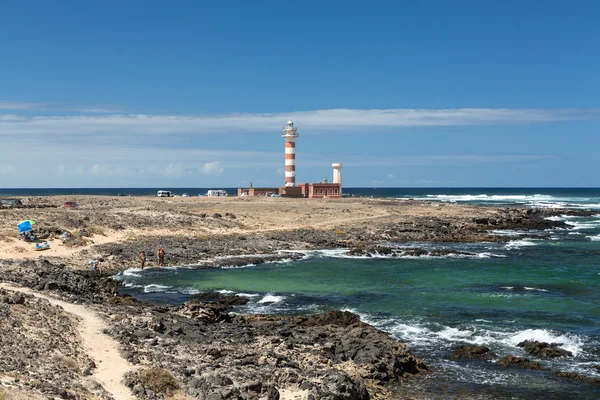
(25,226)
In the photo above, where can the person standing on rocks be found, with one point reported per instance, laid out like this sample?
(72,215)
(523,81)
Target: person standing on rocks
(142,259)
(161,257)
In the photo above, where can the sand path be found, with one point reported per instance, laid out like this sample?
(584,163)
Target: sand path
(101,348)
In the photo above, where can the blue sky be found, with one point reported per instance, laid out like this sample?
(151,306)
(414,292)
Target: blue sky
(420,93)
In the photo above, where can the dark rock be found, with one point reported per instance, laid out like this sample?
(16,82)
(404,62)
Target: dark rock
(578,377)
(520,362)
(138,389)
(543,349)
(335,317)
(473,352)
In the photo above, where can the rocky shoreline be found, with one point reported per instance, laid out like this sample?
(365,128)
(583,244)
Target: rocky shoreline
(200,349)
(241,249)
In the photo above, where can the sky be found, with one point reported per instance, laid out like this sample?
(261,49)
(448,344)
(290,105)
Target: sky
(416,93)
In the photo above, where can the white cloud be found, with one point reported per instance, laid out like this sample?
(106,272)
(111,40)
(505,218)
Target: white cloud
(14,105)
(334,120)
(7,170)
(176,169)
(213,168)
(390,176)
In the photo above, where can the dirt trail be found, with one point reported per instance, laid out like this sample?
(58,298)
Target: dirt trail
(101,348)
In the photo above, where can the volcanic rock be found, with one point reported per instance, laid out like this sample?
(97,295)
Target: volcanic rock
(543,349)
(520,362)
(472,352)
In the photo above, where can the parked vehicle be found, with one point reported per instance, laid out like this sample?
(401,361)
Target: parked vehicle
(11,202)
(185,195)
(217,193)
(70,204)
(164,193)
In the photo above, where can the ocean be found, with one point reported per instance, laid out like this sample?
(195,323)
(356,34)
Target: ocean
(528,288)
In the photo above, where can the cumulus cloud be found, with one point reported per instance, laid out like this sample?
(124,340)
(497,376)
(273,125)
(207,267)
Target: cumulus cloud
(213,168)
(333,120)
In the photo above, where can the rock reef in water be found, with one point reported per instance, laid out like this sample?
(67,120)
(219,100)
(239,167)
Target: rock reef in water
(543,349)
(470,351)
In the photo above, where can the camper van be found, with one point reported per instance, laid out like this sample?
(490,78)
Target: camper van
(164,193)
(216,193)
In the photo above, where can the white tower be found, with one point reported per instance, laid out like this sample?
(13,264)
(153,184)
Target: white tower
(290,133)
(337,174)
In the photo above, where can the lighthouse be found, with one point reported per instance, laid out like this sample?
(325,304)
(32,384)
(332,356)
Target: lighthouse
(290,133)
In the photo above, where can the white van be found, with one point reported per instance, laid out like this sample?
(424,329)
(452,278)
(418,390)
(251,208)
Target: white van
(216,193)
(164,193)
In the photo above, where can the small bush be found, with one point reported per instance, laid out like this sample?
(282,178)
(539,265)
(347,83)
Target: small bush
(96,230)
(159,380)
(76,241)
(340,232)
(66,361)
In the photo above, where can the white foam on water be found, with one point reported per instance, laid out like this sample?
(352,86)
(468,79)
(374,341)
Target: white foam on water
(594,238)
(237,266)
(548,204)
(486,254)
(508,232)
(572,343)
(152,288)
(432,335)
(583,225)
(225,291)
(188,290)
(132,272)
(535,289)
(516,244)
(505,295)
(491,198)
(132,285)
(556,218)
(249,295)
(271,298)
(507,287)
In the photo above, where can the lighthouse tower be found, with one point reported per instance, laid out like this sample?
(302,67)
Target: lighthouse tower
(290,133)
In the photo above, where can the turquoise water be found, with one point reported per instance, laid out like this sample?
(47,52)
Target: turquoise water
(527,289)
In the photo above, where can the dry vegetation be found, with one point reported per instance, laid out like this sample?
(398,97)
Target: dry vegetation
(159,380)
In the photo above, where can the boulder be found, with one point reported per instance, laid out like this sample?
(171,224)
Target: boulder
(543,349)
(578,377)
(472,352)
(520,362)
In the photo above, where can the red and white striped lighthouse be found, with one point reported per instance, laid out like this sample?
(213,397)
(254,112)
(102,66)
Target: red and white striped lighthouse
(290,133)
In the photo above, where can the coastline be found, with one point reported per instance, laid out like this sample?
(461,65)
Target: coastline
(212,233)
